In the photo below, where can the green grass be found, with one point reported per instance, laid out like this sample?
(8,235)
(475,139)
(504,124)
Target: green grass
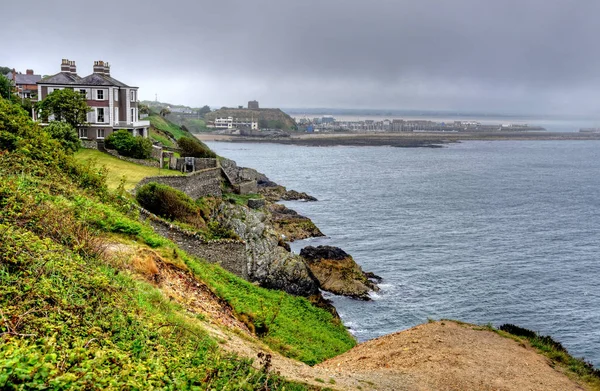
(117,168)
(160,137)
(166,126)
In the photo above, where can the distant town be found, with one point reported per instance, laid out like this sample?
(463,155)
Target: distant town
(331,124)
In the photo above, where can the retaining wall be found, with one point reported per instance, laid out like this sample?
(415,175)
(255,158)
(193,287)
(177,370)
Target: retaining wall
(198,184)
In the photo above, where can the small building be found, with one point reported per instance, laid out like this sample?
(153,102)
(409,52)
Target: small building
(235,123)
(25,84)
(253,105)
(114,104)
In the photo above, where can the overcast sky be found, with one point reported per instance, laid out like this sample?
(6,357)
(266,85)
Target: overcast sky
(501,56)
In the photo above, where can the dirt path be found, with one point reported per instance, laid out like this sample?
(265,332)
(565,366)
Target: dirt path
(452,356)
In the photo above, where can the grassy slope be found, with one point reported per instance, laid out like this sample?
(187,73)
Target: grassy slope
(72,319)
(163,125)
(118,168)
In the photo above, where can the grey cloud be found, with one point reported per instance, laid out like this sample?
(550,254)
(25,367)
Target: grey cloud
(432,54)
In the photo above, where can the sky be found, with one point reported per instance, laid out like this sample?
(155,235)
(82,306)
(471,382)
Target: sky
(496,56)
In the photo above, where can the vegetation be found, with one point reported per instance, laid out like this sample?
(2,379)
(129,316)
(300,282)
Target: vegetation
(128,145)
(65,105)
(75,317)
(119,171)
(64,134)
(6,87)
(557,353)
(170,203)
(193,147)
(168,127)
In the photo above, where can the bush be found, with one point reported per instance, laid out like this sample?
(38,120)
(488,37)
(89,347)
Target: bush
(64,134)
(193,148)
(128,145)
(170,203)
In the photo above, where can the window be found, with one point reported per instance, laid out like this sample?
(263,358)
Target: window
(100,133)
(133,119)
(83,93)
(83,133)
(100,115)
(116,95)
(100,94)
(133,96)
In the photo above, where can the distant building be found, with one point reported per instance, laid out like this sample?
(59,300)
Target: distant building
(114,103)
(25,84)
(235,123)
(327,120)
(253,105)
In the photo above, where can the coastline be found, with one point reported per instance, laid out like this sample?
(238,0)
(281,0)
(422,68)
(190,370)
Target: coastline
(402,140)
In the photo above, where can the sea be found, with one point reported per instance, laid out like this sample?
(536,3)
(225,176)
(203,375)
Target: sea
(488,232)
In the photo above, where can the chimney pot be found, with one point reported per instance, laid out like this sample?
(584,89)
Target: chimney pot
(65,66)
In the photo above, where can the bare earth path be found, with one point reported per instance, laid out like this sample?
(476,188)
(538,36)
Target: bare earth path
(452,356)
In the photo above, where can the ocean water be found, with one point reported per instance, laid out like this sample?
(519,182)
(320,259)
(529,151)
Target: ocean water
(485,232)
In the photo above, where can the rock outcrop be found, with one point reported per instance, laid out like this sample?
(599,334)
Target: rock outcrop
(269,263)
(291,225)
(338,273)
(274,192)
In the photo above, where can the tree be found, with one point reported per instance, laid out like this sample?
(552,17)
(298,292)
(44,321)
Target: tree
(5,70)
(144,109)
(65,134)
(194,148)
(165,111)
(66,105)
(204,110)
(6,88)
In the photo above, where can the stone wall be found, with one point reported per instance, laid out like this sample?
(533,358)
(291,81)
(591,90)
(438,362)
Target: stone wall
(199,164)
(198,184)
(89,144)
(230,254)
(156,152)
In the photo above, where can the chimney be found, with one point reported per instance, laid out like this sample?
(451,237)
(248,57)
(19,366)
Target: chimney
(14,74)
(29,72)
(65,66)
(99,67)
(107,69)
(72,67)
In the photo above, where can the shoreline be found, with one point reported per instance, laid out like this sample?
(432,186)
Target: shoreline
(402,140)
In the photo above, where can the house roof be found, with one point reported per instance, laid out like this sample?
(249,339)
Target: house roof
(95,79)
(24,78)
(61,78)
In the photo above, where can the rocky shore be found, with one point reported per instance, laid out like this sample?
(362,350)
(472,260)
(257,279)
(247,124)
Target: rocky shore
(402,140)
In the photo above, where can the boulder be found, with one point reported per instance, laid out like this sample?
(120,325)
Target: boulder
(256,203)
(337,272)
(291,225)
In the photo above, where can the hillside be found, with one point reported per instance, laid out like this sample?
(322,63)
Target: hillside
(92,298)
(267,118)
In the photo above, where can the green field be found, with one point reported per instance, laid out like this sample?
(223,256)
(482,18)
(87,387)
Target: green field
(118,168)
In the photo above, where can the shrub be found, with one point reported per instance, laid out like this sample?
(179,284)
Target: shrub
(193,148)
(170,203)
(128,145)
(64,134)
